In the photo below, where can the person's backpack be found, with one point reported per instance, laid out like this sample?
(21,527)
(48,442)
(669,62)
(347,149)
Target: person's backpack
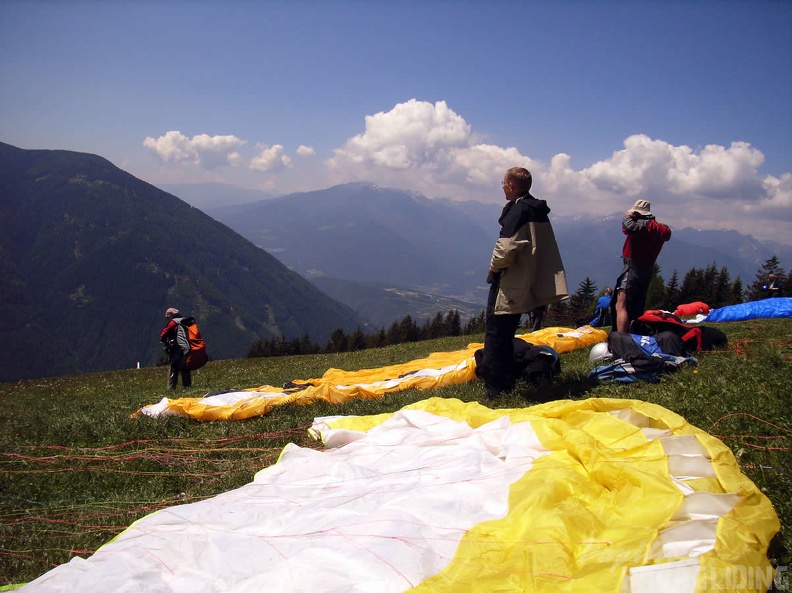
(189,339)
(534,364)
(695,338)
(671,343)
(640,358)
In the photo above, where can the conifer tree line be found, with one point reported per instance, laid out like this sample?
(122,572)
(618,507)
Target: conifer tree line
(401,331)
(709,285)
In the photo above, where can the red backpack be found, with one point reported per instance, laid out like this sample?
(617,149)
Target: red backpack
(694,337)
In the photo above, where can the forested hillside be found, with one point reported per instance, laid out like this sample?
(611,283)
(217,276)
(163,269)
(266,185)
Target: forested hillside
(91,257)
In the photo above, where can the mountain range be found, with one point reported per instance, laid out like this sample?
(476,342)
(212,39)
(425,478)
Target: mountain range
(363,233)
(380,305)
(91,257)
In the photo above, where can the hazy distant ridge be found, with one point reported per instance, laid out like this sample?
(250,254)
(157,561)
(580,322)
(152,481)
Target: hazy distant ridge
(363,233)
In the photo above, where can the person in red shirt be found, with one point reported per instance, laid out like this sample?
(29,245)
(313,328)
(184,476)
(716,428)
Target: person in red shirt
(177,347)
(645,238)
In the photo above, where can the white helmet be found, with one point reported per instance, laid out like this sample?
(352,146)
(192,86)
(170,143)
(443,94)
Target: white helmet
(600,352)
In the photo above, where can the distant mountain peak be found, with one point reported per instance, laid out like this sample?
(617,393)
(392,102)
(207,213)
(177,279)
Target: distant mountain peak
(358,184)
(362,187)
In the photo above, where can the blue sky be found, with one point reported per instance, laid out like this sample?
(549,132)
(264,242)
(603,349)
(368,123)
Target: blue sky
(687,104)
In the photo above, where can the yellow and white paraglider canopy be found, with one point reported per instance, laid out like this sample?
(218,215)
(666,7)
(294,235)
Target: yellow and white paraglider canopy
(603,495)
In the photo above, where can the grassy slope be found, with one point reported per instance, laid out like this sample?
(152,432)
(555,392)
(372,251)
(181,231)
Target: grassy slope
(77,469)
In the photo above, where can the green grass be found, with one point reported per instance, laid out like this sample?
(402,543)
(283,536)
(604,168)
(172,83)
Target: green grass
(77,468)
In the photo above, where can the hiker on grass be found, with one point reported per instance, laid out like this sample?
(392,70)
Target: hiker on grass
(177,353)
(645,238)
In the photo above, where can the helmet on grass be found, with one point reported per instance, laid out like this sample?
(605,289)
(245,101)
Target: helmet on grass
(600,352)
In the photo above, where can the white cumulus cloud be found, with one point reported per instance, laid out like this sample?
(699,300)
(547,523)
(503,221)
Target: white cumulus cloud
(270,158)
(714,187)
(305,151)
(777,197)
(484,164)
(428,147)
(649,166)
(716,169)
(410,135)
(173,147)
(428,144)
(206,151)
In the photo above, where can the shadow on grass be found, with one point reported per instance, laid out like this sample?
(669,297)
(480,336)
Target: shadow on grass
(571,386)
(778,553)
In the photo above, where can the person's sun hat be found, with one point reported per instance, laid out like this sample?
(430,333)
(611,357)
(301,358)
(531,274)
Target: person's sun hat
(171,313)
(642,207)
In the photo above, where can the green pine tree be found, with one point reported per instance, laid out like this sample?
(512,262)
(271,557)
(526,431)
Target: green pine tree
(758,288)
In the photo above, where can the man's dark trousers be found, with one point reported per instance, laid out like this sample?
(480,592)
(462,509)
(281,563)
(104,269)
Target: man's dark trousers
(498,359)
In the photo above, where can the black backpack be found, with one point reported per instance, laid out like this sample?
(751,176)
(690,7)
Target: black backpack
(533,364)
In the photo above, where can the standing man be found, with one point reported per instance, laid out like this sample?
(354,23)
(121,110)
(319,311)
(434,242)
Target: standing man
(645,239)
(174,340)
(525,272)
